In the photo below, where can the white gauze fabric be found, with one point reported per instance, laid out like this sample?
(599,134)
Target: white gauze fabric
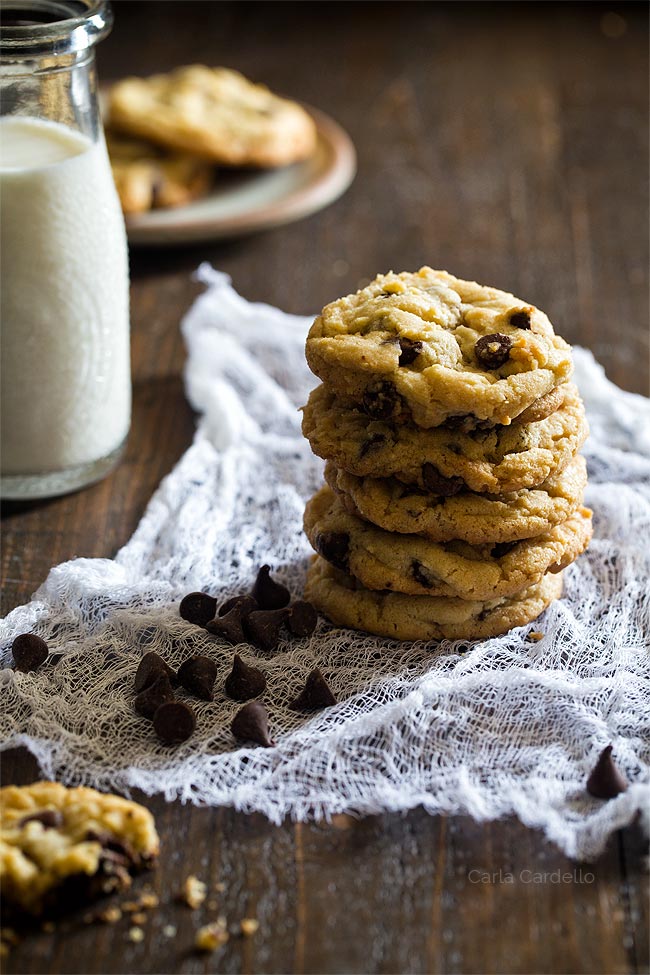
(487,729)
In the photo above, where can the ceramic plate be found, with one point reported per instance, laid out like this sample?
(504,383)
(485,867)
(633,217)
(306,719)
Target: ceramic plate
(244,201)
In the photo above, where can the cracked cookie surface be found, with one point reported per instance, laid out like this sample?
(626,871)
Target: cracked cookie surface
(428,346)
(58,844)
(443,460)
(214,113)
(409,564)
(476,518)
(345,603)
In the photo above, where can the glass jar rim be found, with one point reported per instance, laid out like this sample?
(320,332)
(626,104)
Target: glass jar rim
(38,28)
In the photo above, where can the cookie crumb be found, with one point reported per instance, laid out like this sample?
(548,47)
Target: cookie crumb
(194,892)
(110,915)
(148,900)
(139,918)
(170,930)
(136,935)
(211,936)
(220,887)
(535,636)
(130,906)
(212,905)
(249,926)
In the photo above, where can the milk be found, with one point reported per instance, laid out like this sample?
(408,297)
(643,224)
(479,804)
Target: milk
(64,306)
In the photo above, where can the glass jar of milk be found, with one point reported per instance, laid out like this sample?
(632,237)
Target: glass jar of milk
(64,284)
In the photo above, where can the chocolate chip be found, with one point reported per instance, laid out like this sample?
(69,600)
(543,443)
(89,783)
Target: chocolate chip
(334,547)
(520,319)
(263,627)
(174,721)
(149,700)
(251,723)
(493,350)
(198,608)
(421,574)
(502,548)
(380,400)
(437,483)
(605,780)
(245,605)
(151,667)
(48,818)
(302,618)
(410,351)
(315,695)
(197,675)
(269,593)
(29,652)
(244,682)
(229,627)
(372,443)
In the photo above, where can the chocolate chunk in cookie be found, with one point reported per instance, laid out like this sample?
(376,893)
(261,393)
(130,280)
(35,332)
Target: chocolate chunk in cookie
(335,548)
(380,400)
(438,484)
(492,351)
(373,442)
(521,318)
(410,350)
(421,574)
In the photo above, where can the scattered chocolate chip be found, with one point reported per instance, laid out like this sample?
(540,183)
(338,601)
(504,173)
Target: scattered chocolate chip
(380,400)
(229,627)
(174,722)
(244,605)
(502,548)
(372,443)
(198,608)
(244,682)
(251,723)
(493,350)
(29,652)
(48,818)
(197,675)
(302,618)
(149,700)
(421,574)
(269,593)
(437,483)
(263,627)
(334,547)
(151,667)
(520,319)
(605,780)
(315,695)
(410,351)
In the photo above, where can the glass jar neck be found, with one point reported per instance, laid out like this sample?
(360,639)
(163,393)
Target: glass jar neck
(51,28)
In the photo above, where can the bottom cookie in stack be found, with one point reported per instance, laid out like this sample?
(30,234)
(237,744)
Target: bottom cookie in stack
(391,614)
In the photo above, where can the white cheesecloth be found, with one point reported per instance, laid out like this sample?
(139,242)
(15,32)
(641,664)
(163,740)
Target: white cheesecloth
(506,726)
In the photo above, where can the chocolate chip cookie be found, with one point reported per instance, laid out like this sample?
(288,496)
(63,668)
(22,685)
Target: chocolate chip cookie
(445,461)
(414,565)
(427,347)
(213,113)
(59,846)
(388,614)
(476,518)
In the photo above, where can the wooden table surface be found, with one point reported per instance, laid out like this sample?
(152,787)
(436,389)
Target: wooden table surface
(507,143)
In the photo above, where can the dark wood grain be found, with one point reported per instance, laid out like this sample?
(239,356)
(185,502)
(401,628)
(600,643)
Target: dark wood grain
(507,143)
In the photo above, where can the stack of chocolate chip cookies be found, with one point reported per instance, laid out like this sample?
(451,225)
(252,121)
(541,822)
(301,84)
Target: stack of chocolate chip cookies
(451,432)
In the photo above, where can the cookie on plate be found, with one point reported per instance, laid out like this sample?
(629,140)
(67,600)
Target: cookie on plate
(414,565)
(61,846)
(476,518)
(148,177)
(427,346)
(444,460)
(214,113)
(389,614)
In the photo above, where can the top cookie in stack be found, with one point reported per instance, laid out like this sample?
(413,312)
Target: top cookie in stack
(451,434)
